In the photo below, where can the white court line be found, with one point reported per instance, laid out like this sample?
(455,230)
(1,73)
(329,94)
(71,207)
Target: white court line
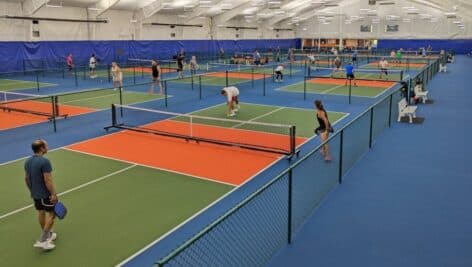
(258,117)
(72,189)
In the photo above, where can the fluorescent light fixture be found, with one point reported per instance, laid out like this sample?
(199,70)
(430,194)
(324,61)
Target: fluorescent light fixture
(133,21)
(220,25)
(457,22)
(274,2)
(94,9)
(182,16)
(450,13)
(304,29)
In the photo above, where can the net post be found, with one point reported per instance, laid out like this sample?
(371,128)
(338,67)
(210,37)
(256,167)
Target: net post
(390,111)
(121,101)
(371,126)
(37,81)
(113,114)
(293,137)
(165,93)
(76,78)
(85,74)
(134,74)
(340,170)
(56,104)
(200,87)
(289,212)
(191,79)
(304,88)
(401,75)
(350,90)
(273,73)
(264,86)
(252,77)
(53,118)
(227,82)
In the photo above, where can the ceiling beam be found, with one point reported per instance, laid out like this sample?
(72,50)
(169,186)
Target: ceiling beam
(32,6)
(199,11)
(104,5)
(151,9)
(238,10)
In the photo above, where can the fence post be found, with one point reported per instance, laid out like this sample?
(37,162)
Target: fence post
(200,87)
(134,74)
(252,77)
(165,92)
(289,215)
(350,90)
(371,126)
(53,113)
(390,112)
(76,78)
(227,83)
(37,81)
(121,101)
(340,173)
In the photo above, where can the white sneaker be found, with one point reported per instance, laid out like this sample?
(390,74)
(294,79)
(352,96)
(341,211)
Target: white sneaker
(46,245)
(235,110)
(52,237)
(232,114)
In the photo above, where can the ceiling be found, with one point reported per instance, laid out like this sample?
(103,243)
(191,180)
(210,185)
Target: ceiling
(287,12)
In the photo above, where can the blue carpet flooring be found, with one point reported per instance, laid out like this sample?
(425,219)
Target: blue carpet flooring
(408,201)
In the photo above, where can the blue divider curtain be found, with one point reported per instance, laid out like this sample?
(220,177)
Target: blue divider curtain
(17,56)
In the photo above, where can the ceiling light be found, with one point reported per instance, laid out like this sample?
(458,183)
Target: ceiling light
(54,6)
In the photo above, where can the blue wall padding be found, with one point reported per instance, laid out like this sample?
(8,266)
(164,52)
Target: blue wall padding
(460,46)
(17,56)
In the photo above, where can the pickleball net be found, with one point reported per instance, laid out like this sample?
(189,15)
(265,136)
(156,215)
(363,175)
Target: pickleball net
(252,135)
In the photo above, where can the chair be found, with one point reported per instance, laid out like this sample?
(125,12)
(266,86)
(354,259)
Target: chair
(420,93)
(442,68)
(405,110)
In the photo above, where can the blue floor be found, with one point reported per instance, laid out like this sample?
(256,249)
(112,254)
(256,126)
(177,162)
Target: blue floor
(408,201)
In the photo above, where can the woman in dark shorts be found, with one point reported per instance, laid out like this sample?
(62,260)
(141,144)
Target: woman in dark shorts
(324,128)
(156,77)
(180,65)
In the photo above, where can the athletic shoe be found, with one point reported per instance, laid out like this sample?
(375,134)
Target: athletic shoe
(328,158)
(235,110)
(46,245)
(232,114)
(52,236)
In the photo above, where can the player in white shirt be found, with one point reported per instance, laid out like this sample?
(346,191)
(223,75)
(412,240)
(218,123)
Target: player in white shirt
(93,66)
(231,93)
(279,75)
(383,65)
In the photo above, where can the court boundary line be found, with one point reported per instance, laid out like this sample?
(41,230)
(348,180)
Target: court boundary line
(27,81)
(73,189)
(139,252)
(196,214)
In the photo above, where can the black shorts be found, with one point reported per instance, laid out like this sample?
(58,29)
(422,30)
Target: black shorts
(350,76)
(278,72)
(69,67)
(384,71)
(44,204)
(354,59)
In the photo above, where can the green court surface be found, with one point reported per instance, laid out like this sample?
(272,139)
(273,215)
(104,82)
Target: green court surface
(396,67)
(102,99)
(335,89)
(303,119)
(395,75)
(10,84)
(115,209)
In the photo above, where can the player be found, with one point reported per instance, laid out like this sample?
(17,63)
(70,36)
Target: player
(350,74)
(354,57)
(117,76)
(155,77)
(399,56)
(279,76)
(324,128)
(38,179)
(69,63)
(232,96)
(93,66)
(180,64)
(257,58)
(193,65)
(383,65)
(337,66)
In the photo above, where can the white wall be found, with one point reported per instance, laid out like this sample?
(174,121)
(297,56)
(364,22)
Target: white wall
(120,27)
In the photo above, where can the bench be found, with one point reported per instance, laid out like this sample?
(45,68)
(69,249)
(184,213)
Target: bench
(405,110)
(420,93)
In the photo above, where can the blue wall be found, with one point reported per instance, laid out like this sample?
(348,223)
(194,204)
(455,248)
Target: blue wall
(51,53)
(460,46)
